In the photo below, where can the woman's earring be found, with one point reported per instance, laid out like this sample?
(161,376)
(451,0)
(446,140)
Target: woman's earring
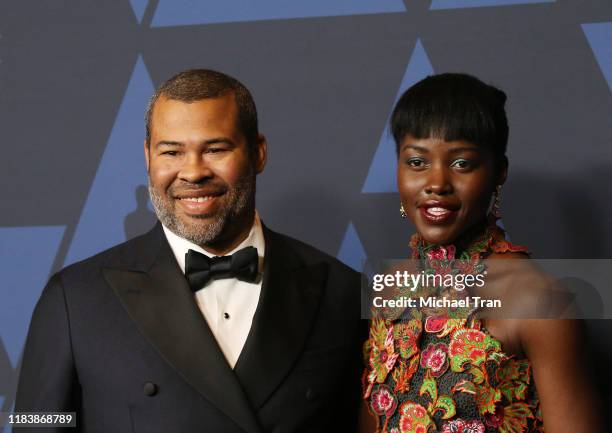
(497,202)
(402,211)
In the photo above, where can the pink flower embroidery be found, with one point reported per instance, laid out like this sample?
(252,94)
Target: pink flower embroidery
(383,402)
(435,324)
(442,253)
(434,357)
(414,418)
(462,426)
(470,336)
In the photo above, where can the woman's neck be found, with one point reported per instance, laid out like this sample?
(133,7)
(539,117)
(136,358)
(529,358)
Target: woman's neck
(475,237)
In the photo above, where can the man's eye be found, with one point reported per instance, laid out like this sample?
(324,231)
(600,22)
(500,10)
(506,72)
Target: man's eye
(215,149)
(170,152)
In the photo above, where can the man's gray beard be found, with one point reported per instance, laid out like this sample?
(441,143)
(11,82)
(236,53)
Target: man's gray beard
(240,199)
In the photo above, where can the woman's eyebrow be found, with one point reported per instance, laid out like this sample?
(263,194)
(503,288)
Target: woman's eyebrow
(415,147)
(464,149)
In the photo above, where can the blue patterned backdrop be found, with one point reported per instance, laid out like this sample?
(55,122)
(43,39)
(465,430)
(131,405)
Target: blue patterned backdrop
(75,78)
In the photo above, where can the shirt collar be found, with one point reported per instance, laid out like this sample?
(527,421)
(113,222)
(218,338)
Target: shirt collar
(180,245)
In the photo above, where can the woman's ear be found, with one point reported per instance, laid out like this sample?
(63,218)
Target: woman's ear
(502,170)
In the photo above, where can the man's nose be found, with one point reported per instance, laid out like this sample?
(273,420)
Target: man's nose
(438,181)
(195,169)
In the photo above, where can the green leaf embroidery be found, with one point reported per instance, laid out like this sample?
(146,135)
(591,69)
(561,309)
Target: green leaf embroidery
(446,405)
(478,374)
(429,387)
(470,346)
(497,357)
(515,418)
(465,386)
(486,397)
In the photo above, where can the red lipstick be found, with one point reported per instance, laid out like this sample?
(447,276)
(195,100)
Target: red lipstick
(438,212)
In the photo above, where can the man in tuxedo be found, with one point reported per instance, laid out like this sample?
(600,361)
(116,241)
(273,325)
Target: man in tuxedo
(210,322)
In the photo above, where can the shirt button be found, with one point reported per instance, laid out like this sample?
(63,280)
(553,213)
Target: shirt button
(226,315)
(310,394)
(150,389)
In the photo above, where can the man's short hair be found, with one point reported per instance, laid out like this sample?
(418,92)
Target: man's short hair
(198,84)
(453,106)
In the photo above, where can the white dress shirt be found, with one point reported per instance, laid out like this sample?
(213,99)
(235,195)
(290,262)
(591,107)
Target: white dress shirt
(227,304)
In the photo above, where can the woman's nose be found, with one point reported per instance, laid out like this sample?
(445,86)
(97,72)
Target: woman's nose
(438,181)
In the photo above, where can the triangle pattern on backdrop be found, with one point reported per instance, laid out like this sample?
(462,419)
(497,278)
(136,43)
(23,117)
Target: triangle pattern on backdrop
(120,177)
(351,251)
(192,12)
(26,254)
(459,4)
(599,36)
(381,175)
(139,6)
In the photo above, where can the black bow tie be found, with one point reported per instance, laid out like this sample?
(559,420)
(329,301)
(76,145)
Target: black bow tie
(199,269)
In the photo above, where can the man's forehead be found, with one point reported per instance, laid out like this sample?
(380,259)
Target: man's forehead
(218,109)
(227,99)
(197,121)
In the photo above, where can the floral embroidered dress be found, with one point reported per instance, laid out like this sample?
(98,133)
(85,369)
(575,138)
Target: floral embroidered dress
(428,373)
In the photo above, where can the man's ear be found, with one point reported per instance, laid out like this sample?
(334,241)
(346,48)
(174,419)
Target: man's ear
(261,153)
(146,153)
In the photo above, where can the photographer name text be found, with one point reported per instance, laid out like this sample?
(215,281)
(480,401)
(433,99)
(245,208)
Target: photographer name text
(436,302)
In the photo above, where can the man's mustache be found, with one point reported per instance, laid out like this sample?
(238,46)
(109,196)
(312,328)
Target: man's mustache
(210,189)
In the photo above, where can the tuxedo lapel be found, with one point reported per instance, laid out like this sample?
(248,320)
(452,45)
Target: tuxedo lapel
(156,295)
(290,296)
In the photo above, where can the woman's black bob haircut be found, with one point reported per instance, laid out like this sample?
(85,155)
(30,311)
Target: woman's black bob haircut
(453,107)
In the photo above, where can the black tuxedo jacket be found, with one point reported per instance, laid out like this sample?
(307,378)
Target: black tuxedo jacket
(119,339)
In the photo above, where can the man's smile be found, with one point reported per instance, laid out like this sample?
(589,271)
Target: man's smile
(201,205)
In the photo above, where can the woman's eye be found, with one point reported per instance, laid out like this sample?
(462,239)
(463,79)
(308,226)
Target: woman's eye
(415,162)
(462,163)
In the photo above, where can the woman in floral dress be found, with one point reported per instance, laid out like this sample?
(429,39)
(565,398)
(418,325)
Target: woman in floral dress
(430,372)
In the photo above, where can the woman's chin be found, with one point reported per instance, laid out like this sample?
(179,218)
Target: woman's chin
(438,235)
